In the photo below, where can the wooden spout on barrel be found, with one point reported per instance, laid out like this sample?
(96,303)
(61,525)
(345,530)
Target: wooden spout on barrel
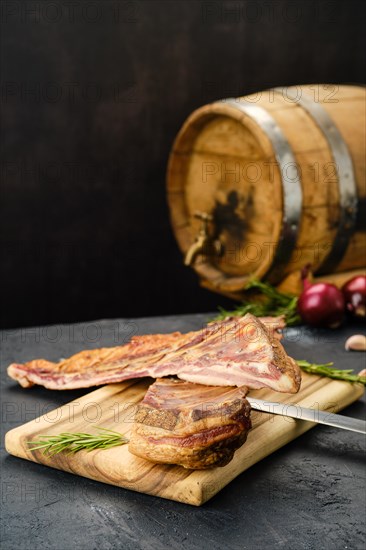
(204,244)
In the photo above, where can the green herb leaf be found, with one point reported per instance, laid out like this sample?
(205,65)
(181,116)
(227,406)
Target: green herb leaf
(274,304)
(74,442)
(327,370)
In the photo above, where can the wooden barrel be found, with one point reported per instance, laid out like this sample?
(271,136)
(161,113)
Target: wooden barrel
(281,175)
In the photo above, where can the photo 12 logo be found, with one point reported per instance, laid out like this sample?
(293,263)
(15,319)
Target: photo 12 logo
(71,92)
(251,11)
(52,12)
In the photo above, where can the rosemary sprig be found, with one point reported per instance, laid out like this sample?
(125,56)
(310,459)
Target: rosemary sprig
(327,370)
(276,303)
(74,442)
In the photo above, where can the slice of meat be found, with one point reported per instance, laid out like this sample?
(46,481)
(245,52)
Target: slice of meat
(98,366)
(241,353)
(84,366)
(237,351)
(192,425)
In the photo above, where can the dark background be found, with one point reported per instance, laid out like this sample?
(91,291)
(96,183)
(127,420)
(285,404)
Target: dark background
(92,96)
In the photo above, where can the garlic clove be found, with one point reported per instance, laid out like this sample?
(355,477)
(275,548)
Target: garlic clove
(357,342)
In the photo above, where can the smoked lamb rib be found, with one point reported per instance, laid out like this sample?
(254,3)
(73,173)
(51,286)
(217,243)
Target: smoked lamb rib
(192,425)
(235,352)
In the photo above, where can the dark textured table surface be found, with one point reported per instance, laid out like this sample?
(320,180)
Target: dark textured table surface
(308,495)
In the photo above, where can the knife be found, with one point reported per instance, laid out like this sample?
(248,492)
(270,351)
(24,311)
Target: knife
(313,415)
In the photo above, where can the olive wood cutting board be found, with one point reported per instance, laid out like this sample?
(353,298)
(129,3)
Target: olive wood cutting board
(114,407)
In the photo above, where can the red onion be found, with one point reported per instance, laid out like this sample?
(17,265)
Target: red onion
(321,304)
(354,292)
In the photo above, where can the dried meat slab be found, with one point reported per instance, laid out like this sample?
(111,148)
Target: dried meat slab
(236,352)
(195,426)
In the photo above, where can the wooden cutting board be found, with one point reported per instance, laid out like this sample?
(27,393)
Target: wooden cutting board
(114,407)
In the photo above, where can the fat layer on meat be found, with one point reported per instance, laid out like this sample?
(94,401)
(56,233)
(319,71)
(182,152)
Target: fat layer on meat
(192,425)
(235,352)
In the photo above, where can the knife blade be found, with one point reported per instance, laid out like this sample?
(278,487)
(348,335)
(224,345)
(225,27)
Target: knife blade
(313,415)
